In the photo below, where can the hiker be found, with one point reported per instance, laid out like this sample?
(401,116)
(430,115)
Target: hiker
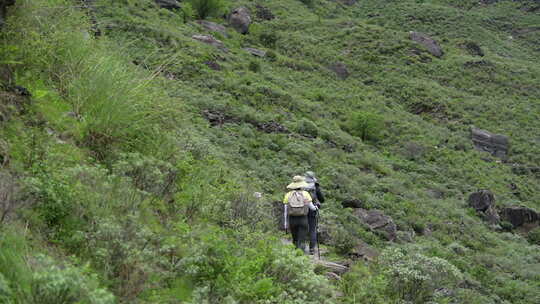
(297,203)
(314,190)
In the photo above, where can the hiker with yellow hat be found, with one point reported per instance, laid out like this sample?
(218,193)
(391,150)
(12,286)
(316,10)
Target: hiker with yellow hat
(297,204)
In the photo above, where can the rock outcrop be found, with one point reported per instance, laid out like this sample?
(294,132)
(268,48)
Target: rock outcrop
(209,39)
(168,4)
(496,144)
(483,202)
(212,26)
(240,20)
(429,43)
(255,52)
(519,215)
(378,222)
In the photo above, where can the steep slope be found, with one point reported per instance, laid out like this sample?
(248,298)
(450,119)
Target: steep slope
(140,149)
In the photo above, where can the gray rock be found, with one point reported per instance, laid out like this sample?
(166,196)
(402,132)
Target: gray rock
(429,43)
(213,27)
(481,200)
(168,4)
(364,251)
(209,39)
(240,20)
(255,52)
(496,144)
(519,215)
(352,203)
(340,69)
(377,221)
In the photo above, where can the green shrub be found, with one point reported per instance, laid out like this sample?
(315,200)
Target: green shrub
(363,283)
(366,125)
(52,284)
(147,173)
(254,66)
(534,236)
(308,3)
(414,276)
(268,39)
(307,127)
(207,8)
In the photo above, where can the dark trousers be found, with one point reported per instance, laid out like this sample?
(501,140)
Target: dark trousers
(312,222)
(299,230)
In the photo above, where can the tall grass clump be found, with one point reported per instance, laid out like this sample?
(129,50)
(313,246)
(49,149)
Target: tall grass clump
(207,8)
(110,97)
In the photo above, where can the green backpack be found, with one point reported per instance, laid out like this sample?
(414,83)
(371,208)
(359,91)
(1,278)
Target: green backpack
(296,204)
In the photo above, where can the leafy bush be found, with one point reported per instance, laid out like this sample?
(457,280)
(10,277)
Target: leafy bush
(415,277)
(254,270)
(534,236)
(366,125)
(52,284)
(254,66)
(42,280)
(307,127)
(147,173)
(207,8)
(268,39)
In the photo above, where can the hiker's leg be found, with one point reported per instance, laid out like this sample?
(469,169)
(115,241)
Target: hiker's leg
(312,222)
(293,226)
(303,228)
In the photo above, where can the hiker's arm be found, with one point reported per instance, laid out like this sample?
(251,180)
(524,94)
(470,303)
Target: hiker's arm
(312,207)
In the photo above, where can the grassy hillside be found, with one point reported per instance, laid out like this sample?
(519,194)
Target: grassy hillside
(131,152)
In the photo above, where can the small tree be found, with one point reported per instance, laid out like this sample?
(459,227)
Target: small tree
(207,8)
(366,125)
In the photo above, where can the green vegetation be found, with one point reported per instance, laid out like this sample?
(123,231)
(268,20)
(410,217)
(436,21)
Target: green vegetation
(128,175)
(207,8)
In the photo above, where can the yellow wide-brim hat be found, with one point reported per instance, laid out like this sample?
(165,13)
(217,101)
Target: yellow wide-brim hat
(298,183)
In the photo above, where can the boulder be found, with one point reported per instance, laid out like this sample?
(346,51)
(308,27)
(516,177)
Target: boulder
(496,144)
(340,69)
(212,27)
(240,20)
(364,251)
(519,215)
(482,200)
(429,43)
(255,52)
(209,39)
(352,203)
(168,4)
(377,221)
